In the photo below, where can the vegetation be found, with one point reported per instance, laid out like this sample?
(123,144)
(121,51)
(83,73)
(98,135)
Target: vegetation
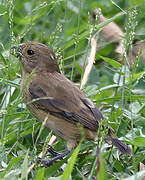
(117,87)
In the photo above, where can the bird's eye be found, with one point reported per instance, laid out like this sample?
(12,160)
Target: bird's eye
(30,52)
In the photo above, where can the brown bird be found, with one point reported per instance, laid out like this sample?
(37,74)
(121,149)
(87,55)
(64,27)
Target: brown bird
(52,98)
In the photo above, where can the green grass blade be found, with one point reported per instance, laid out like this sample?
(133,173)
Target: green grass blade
(102,172)
(69,167)
(24,174)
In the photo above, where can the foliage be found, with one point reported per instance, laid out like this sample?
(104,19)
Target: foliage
(66,27)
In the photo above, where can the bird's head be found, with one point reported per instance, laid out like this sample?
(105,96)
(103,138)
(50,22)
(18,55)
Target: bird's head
(36,56)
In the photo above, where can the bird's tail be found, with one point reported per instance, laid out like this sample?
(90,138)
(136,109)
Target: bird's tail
(123,148)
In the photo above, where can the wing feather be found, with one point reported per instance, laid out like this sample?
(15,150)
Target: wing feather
(63,99)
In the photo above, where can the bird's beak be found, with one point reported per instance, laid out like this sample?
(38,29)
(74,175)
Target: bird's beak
(17,50)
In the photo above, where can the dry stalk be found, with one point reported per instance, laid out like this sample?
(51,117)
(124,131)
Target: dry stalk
(91,60)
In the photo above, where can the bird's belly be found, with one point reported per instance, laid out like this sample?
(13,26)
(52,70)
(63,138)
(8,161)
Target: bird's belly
(61,127)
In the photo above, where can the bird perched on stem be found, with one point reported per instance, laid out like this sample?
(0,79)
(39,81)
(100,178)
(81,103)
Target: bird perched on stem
(55,101)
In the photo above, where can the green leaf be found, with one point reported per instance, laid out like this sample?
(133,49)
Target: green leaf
(69,167)
(111,62)
(106,88)
(9,82)
(24,174)
(138,141)
(102,173)
(118,166)
(40,174)
(12,163)
(137,76)
(136,2)
(3,59)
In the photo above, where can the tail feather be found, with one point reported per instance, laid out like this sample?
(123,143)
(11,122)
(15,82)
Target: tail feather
(124,148)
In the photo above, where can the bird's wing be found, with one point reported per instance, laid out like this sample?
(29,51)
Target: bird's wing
(58,96)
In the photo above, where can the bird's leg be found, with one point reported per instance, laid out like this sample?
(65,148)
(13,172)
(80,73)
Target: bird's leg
(51,161)
(50,150)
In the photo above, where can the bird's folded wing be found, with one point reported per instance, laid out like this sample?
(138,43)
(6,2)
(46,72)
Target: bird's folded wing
(66,101)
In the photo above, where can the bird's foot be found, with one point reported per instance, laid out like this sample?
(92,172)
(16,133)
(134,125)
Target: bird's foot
(59,156)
